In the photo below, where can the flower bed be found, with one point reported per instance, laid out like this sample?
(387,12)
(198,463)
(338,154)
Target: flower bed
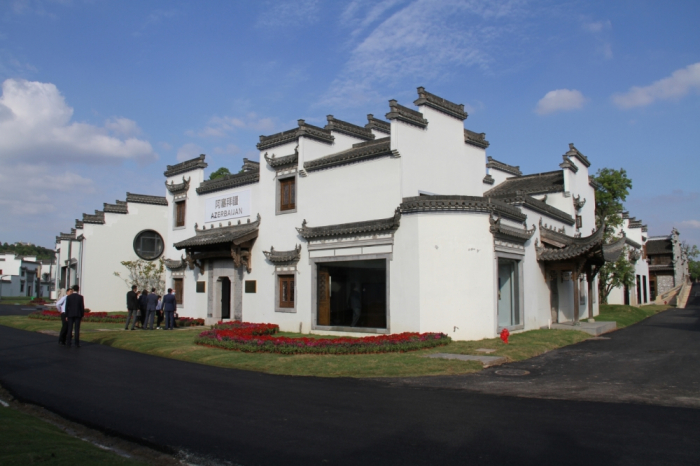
(188,322)
(251,338)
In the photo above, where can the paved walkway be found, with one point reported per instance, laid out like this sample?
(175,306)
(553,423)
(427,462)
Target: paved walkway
(251,418)
(656,361)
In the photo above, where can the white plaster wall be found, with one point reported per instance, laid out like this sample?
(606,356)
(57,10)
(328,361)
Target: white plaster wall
(105,246)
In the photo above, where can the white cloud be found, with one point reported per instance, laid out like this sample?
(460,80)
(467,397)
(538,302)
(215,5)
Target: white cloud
(35,125)
(425,39)
(188,151)
(221,126)
(679,84)
(601,32)
(691,223)
(560,100)
(289,13)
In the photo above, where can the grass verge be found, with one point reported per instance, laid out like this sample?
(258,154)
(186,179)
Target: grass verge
(24,440)
(627,315)
(180,345)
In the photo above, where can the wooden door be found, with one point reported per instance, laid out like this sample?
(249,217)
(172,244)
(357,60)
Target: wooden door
(554,295)
(225,298)
(324,297)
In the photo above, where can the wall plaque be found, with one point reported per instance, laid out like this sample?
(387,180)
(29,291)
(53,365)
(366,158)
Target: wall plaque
(228,205)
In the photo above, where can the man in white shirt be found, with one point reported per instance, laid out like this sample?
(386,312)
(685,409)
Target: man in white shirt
(61,307)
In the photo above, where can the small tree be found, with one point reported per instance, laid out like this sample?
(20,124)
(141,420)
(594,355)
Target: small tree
(145,275)
(615,274)
(613,188)
(221,172)
(692,253)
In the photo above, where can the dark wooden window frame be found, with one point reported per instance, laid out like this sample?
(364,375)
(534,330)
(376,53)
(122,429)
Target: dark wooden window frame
(288,194)
(180,212)
(179,289)
(285,295)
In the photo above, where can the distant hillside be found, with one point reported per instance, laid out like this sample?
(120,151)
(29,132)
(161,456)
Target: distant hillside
(26,250)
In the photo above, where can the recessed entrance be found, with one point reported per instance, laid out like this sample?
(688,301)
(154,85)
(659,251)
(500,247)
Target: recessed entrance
(508,308)
(225,298)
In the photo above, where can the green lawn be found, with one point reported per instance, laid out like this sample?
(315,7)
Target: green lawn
(179,345)
(26,440)
(627,315)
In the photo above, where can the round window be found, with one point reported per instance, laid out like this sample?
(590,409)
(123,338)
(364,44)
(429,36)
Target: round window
(148,245)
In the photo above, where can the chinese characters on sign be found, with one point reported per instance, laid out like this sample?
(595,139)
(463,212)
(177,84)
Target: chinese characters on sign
(227,206)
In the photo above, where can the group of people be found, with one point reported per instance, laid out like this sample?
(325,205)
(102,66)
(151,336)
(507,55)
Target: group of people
(72,309)
(143,307)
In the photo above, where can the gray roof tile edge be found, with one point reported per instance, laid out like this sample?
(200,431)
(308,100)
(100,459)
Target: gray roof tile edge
(500,230)
(442,105)
(358,153)
(574,248)
(97,218)
(120,207)
(349,129)
(280,257)
(476,139)
(284,161)
(501,189)
(146,199)
(406,115)
(504,167)
(536,205)
(488,179)
(304,129)
(574,152)
(186,166)
(175,264)
(379,125)
(228,181)
(179,188)
(211,236)
(351,229)
(460,204)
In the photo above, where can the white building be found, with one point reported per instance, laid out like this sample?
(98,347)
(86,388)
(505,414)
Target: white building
(19,275)
(668,263)
(636,239)
(394,226)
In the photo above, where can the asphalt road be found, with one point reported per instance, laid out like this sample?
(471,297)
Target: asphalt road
(257,419)
(16,310)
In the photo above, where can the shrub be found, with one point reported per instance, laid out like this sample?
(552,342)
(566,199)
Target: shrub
(249,337)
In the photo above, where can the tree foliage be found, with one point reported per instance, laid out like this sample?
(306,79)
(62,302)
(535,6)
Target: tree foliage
(692,254)
(614,186)
(27,250)
(615,274)
(221,172)
(145,275)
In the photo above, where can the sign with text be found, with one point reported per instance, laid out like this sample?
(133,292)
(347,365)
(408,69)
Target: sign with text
(228,205)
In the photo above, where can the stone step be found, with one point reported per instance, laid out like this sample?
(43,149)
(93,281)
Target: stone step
(592,328)
(485,360)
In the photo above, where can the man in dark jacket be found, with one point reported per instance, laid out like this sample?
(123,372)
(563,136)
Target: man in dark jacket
(75,309)
(132,306)
(151,304)
(143,306)
(169,306)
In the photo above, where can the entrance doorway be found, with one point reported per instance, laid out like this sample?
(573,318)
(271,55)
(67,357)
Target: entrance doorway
(225,298)
(554,295)
(508,309)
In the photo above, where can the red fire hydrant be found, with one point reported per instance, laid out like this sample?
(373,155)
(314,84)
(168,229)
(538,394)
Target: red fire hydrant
(504,335)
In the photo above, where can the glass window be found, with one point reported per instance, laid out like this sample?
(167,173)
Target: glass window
(352,293)
(286,287)
(288,194)
(148,245)
(180,214)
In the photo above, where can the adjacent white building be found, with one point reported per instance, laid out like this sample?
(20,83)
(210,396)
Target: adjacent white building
(19,275)
(392,226)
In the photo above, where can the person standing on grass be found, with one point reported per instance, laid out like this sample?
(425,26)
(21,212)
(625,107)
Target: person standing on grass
(159,312)
(143,307)
(151,304)
(169,306)
(75,310)
(61,307)
(132,306)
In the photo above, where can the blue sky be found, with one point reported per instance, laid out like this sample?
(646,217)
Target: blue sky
(99,96)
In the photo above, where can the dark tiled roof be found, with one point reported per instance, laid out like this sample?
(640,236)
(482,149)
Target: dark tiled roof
(504,167)
(659,246)
(573,152)
(97,218)
(358,153)
(351,229)
(592,182)
(519,199)
(440,104)
(488,179)
(235,234)
(186,166)
(475,139)
(379,125)
(146,199)
(348,128)
(500,230)
(280,162)
(460,203)
(661,268)
(568,164)
(405,114)
(539,183)
(177,264)
(228,181)
(79,224)
(291,135)
(179,187)
(575,247)
(120,207)
(633,243)
(278,257)
(250,165)
(66,236)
